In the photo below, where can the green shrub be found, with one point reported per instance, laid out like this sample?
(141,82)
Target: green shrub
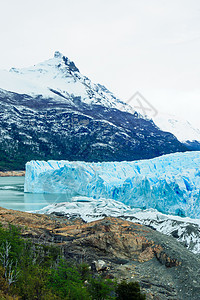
(129,291)
(101,289)
(66,282)
(44,274)
(11,235)
(32,283)
(84,271)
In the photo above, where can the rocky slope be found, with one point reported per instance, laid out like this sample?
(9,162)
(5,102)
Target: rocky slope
(12,173)
(185,230)
(51,111)
(118,248)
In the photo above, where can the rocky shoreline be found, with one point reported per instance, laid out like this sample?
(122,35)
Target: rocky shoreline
(11,173)
(119,249)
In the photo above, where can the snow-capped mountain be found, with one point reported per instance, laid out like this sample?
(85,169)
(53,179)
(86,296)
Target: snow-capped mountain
(59,76)
(179,127)
(52,111)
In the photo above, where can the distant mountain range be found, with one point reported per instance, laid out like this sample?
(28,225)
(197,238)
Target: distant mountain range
(52,111)
(181,128)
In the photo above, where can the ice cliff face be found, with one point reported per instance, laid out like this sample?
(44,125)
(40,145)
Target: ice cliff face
(170,183)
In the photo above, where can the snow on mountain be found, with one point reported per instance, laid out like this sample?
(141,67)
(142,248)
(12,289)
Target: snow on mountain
(52,111)
(170,183)
(10,81)
(185,230)
(181,128)
(58,76)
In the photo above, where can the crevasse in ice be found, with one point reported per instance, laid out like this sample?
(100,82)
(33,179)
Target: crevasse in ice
(170,183)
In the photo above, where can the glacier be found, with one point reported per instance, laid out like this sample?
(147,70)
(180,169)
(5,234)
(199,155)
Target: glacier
(169,183)
(185,230)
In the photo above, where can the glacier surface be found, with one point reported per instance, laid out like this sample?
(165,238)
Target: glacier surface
(170,183)
(185,230)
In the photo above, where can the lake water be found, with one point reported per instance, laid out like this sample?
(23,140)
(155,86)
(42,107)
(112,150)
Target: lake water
(12,196)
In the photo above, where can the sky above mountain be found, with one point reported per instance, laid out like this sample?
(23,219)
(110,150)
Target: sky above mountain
(147,46)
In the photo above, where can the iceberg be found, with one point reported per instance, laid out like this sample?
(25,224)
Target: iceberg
(170,183)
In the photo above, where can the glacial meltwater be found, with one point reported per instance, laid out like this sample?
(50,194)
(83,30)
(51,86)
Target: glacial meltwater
(12,196)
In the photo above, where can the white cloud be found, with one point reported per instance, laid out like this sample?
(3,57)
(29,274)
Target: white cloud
(126,45)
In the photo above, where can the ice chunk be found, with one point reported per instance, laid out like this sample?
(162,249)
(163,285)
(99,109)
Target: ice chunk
(170,183)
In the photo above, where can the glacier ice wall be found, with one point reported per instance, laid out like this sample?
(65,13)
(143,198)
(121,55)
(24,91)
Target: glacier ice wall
(170,183)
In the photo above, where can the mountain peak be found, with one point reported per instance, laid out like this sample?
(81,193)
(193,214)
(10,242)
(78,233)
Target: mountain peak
(71,65)
(58,54)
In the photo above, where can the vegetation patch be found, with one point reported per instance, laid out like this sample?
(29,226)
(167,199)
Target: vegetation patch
(37,271)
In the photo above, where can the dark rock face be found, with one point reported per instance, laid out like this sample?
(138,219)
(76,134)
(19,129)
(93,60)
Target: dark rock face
(193,145)
(164,268)
(40,128)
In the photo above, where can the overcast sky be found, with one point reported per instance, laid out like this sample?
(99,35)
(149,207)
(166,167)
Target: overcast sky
(151,46)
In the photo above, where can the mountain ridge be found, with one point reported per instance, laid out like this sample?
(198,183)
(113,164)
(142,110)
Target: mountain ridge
(182,129)
(51,111)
